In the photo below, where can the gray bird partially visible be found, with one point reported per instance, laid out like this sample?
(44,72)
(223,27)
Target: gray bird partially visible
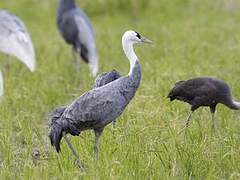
(100,106)
(15,41)
(76,30)
(203,91)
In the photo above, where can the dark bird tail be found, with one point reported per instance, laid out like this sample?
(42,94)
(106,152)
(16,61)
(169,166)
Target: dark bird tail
(232,104)
(58,126)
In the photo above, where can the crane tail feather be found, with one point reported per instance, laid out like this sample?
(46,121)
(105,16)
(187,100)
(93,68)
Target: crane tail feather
(57,130)
(55,136)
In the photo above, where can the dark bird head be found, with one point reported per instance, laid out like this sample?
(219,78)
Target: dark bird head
(170,96)
(58,126)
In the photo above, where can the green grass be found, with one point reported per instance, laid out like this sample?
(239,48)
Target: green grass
(191,38)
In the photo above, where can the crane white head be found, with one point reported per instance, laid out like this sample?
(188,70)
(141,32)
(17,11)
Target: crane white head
(129,38)
(134,37)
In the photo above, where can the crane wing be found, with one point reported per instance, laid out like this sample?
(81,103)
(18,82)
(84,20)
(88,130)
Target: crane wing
(76,29)
(83,20)
(101,80)
(86,34)
(100,104)
(105,78)
(15,40)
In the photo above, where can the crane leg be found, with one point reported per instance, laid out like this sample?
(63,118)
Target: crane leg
(73,151)
(114,124)
(98,133)
(76,58)
(187,122)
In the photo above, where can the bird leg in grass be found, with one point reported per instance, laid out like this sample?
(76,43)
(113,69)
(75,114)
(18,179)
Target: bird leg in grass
(187,122)
(214,125)
(73,150)
(76,57)
(114,124)
(98,133)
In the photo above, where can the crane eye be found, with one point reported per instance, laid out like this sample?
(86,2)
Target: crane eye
(138,35)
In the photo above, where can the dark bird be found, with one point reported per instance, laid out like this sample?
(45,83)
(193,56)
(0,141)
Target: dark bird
(76,29)
(15,40)
(100,106)
(203,91)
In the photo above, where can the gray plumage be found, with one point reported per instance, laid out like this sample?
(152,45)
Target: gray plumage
(96,108)
(101,80)
(76,29)
(105,78)
(203,91)
(56,114)
(100,106)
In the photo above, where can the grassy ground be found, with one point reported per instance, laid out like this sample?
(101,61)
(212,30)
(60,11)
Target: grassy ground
(191,38)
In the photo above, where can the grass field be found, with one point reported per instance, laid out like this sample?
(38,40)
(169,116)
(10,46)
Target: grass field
(191,38)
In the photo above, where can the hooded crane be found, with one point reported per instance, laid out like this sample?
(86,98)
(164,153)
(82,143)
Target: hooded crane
(101,80)
(203,91)
(100,106)
(15,41)
(76,29)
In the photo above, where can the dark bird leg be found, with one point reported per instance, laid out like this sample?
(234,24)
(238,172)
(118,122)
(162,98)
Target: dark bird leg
(73,150)
(195,105)
(187,122)
(214,126)
(98,133)
(188,119)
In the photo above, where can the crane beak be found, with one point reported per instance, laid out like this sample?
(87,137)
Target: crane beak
(145,40)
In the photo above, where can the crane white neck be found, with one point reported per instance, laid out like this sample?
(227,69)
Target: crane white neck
(129,51)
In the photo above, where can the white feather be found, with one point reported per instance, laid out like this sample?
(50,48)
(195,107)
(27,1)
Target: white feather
(237,104)
(15,40)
